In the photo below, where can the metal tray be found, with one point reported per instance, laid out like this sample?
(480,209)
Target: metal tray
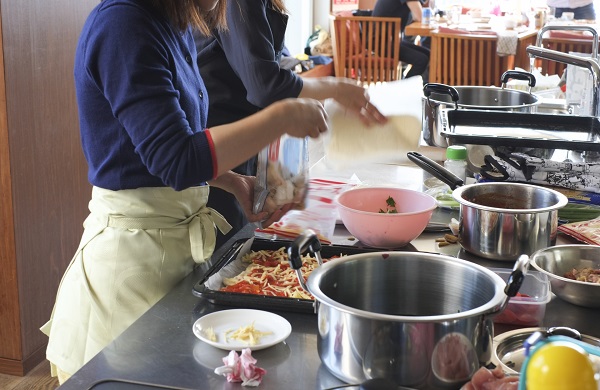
(519,129)
(263,301)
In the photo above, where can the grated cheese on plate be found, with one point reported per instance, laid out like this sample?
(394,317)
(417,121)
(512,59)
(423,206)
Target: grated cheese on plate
(248,334)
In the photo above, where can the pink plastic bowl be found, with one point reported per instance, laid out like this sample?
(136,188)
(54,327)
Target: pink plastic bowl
(359,210)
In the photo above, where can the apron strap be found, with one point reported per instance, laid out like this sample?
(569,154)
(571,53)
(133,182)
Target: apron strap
(200,224)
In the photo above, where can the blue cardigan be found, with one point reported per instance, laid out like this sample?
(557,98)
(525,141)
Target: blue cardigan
(142,103)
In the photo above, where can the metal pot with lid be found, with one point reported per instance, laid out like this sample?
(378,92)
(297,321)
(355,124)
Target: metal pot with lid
(421,320)
(439,97)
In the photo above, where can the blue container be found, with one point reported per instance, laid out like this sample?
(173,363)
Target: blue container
(426,16)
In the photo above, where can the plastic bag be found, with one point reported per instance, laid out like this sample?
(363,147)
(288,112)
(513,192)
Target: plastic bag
(320,214)
(282,175)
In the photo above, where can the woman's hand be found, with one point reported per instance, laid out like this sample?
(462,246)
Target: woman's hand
(300,117)
(242,187)
(347,93)
(356,99)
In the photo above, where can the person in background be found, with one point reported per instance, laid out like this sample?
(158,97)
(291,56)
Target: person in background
(242,72)
(143,108)
(582,9)
(409,11)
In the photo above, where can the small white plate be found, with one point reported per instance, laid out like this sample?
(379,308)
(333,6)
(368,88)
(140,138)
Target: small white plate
(233,319)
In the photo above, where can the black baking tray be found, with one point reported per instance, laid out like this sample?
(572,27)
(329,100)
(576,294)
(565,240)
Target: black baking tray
(502,128)
(262,301)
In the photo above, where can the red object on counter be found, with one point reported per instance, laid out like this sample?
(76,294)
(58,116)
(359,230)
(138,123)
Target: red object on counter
(518,314)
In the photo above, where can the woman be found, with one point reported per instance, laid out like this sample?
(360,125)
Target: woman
(242,73)
(143,109)
(582,9)
(409,11)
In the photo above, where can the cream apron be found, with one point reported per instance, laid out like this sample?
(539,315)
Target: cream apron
(136,246)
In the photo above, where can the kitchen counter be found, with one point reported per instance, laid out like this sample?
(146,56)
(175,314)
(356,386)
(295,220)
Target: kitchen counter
(160,351)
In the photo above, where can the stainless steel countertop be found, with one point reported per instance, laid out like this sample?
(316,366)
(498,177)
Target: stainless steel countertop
(160,350)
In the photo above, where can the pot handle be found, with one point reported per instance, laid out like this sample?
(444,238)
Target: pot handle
(441,89)
(305,241)
(518,75)
(430,166)
(515,280)
(513,284)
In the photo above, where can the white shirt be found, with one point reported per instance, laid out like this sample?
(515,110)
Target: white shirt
(569,3)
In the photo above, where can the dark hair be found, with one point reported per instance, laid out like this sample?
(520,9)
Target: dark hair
(279,6)
(187,13)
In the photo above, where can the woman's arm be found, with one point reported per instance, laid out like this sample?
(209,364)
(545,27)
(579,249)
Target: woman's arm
(347,93)
(248,46)
(236,142)
(415,9)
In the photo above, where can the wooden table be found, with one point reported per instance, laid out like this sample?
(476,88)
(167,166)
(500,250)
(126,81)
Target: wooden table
(318,71)
(521,58)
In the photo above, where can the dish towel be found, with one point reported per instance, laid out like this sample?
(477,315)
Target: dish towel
(507,43)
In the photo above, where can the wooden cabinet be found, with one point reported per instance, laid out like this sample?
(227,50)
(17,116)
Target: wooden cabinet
(43,185)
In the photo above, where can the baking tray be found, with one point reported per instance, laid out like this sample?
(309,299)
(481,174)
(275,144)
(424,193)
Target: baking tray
(520,129)
(262,301)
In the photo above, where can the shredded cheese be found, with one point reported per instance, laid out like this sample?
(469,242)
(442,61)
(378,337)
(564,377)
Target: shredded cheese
(269,273)
(210,334)
(248,334)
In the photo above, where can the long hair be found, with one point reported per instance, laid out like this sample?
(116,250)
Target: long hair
(279,6)
(187,13)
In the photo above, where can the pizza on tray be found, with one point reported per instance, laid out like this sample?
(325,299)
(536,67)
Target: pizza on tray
(269,273)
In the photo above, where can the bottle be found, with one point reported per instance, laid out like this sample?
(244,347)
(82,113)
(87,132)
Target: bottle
(426,16)
(456,161)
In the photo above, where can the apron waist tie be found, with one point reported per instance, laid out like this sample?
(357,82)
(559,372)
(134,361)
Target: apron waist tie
(202,234)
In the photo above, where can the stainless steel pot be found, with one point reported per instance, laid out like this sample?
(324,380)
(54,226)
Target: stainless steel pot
(438,97)
(500,220)
(421,320)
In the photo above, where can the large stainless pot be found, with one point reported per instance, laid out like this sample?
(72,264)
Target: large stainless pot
(421,320)
(500,220)
(437,97)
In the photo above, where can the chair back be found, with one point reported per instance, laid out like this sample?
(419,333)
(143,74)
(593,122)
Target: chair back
(565,45)
(463,59)
(366,48)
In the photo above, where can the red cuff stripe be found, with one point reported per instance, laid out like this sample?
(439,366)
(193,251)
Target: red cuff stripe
(211,145)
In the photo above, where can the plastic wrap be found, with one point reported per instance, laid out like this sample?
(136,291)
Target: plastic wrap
(282,175)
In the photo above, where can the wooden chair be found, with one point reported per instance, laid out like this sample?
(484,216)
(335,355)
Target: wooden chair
(463,59)
(366,48)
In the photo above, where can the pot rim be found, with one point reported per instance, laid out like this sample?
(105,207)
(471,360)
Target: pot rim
(562,199)
(551,275)
(493,306)
(536,98)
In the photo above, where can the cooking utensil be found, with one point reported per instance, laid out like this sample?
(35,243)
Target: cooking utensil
(557,260)
(438,97)
(422,320)
(520,131)
(500,220)
(230,264)
(373,222)
(509,351)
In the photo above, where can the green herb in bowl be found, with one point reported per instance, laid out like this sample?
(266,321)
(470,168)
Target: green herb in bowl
(390,208)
